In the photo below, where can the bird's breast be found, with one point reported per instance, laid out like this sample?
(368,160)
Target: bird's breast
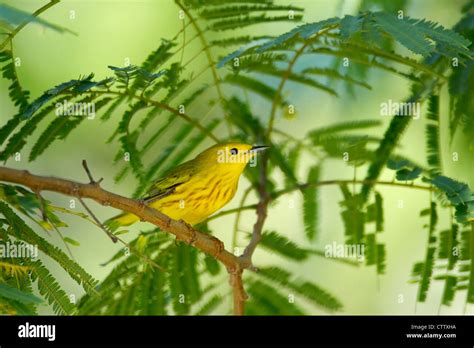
(198,198)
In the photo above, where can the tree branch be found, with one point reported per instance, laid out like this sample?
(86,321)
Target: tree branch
(183,231)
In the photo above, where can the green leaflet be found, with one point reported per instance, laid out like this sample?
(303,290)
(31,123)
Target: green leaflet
(298,78)
(21,231)
(157,164)
(320,134)
(255,86)
(155,297)
(271,299)
(406,171)
(375,212)
(278,159)
(257,62)
(426,275)
(427,265)
(17,94)
(305,31)
(433,145)
(244,21)
(134,287)
(130,152)
(155,60)
(311,205)
(456,192)
(233,11)
(237,40)
(212,265)
(283,246)
(76,87)
(350,25)
(448,244)
(155,111)
(335,74)
(192,144)
(470,290)
(461,83)
(408,174)
(107,114)
(50,289)
(414,34)
(15,294)
(123,126)
(374,253)
(353,216)
(412,39)
(384,150)
(449,290)
(62,126)
(183,279)
(243,118)
(210,305)
(309,291)
(18,140)
(379,215)
(293,156)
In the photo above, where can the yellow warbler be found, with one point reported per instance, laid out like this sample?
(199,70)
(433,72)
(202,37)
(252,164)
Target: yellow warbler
(196,189)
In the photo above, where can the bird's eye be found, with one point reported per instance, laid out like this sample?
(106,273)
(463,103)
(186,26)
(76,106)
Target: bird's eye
(234,151)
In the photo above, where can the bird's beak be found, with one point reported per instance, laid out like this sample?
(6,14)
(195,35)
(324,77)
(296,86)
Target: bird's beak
(256,149)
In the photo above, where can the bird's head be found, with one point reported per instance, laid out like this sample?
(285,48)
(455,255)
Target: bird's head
(230,157)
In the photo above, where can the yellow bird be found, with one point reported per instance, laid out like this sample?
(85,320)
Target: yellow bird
(196,189)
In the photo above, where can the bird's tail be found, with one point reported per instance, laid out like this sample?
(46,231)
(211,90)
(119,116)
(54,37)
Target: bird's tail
(123,219)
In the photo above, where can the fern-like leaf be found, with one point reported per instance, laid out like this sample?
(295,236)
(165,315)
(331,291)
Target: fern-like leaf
(310,204)
(283,246)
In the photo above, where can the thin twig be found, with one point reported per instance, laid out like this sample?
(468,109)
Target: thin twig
(44,217)
(89,175)
(97,221)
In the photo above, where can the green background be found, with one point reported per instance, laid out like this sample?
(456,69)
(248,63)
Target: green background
(110,32)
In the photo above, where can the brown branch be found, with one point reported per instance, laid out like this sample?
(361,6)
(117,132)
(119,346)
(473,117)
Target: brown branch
(238,291)
(183,231)
(261,215)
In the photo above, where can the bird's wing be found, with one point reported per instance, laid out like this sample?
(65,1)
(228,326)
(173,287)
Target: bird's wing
(167,185)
